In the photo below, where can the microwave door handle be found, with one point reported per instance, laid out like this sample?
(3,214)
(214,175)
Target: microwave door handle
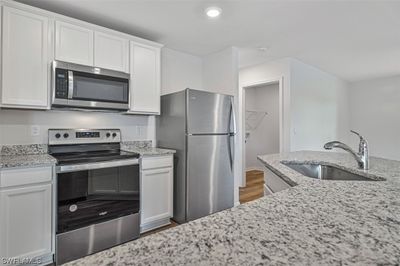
(70,84)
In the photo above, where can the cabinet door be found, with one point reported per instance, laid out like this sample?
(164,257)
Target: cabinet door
(273,182)
(156,194)
(111,52)
(25,221)
(145,79)
(25,62)
(74,44)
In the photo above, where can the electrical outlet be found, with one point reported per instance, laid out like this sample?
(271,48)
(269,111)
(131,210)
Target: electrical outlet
(35,130)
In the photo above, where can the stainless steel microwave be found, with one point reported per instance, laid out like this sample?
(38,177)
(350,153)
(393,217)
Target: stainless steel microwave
(79,86)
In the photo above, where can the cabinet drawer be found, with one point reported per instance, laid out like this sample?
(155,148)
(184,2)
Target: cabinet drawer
(17,177)
(157,162)
(274,182)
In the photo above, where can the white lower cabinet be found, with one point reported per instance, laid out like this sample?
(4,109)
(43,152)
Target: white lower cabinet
(156,192)
(26,219)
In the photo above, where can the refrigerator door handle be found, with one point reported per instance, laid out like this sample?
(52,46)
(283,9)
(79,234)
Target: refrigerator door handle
(232,134)
(231,141)
(232,126)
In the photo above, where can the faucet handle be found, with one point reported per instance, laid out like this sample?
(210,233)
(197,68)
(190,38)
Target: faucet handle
(363,146)
(358,134)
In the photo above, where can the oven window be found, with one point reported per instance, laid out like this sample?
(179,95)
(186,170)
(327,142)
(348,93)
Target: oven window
(100,88)
(94,196)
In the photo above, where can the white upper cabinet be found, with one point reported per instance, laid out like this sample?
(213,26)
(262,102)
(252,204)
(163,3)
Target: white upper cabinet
(145,79)
(74,44)
(32,38)
(25,61)
(111,52)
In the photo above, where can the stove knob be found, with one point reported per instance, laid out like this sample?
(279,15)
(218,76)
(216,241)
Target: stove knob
(114,135)
(58,135)
(66,135)
(108,135)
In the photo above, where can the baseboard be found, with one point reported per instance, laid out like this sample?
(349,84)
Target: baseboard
(154,225)
(253,168)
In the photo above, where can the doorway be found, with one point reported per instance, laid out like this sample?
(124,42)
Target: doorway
(261,133)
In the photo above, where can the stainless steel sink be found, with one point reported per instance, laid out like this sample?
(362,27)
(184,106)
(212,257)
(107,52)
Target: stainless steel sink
(327,172)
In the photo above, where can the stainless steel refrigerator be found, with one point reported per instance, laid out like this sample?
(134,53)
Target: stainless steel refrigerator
(200,126)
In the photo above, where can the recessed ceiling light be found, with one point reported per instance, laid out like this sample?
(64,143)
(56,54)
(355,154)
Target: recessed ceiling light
(213,11)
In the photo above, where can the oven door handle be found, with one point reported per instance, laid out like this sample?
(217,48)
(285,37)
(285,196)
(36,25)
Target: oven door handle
(91,166)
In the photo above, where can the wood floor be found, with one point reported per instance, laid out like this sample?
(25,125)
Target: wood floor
(173,224)
(254,188)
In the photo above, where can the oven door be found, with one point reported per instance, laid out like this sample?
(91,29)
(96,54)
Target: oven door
(94,195)
(90,87)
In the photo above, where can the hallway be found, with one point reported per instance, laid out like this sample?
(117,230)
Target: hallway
(254,186)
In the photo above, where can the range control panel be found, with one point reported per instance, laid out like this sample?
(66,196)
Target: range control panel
(83,136)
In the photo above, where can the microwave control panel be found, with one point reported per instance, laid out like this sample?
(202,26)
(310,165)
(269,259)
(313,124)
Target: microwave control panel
(61,83)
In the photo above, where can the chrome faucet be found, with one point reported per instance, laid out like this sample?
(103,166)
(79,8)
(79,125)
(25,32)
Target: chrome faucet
(361,157)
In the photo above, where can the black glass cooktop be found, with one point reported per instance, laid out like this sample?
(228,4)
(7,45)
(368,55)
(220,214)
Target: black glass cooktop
(97,156)
(89,153)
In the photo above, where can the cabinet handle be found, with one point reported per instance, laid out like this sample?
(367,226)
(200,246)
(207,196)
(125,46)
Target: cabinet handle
(155,172)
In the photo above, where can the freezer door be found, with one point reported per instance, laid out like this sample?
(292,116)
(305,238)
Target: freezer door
(209,175)
(208,113)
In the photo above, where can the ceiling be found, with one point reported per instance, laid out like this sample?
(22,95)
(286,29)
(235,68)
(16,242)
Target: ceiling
(353,40)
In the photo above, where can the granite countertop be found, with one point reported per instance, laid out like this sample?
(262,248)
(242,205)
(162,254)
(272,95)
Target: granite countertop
(14,156)
(31,155)
(144,148)
(315,222)
(29,160)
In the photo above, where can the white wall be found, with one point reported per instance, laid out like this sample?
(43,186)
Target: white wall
(15,125)
(318,108)
(220,71)
(180,71)
(315,107)
(264,139)
(267,72)
(375,113)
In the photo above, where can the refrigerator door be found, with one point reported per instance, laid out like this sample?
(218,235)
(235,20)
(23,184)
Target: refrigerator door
(208,113)
(209,175)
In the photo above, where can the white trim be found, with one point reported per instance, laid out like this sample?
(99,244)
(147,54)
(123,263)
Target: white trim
(241,121)
(253,168)
(152,225)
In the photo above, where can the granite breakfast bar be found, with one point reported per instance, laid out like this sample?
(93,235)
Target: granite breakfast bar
(315,222)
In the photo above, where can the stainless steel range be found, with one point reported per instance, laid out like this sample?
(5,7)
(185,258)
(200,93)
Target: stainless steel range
(98,191)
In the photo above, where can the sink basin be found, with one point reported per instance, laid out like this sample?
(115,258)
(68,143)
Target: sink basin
(326,172)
